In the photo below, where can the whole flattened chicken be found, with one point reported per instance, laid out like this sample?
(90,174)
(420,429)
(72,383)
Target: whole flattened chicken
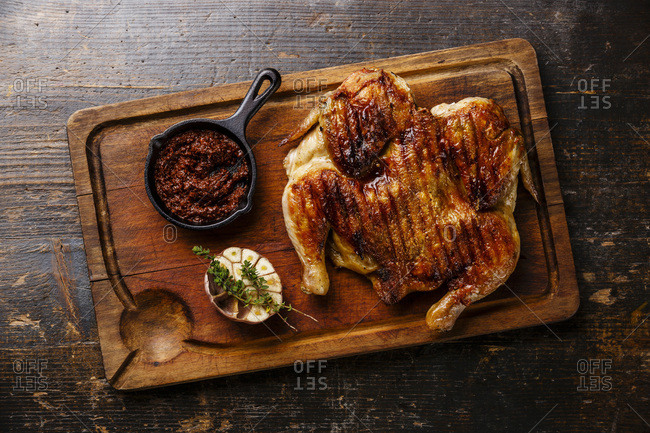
(410,198)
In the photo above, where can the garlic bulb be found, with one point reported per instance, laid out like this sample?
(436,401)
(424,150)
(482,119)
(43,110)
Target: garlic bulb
(233,259)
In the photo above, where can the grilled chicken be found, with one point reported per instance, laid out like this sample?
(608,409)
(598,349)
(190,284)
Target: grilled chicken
(412,199)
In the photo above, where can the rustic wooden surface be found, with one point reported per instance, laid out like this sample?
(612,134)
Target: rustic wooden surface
(528,380)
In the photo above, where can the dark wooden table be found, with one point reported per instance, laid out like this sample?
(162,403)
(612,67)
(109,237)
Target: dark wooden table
(589,373)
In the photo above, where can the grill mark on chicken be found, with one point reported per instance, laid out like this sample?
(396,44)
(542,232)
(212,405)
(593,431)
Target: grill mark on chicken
(396,208)
(492,146)
(383,201)
(394,180)
(363,215)
(417,231)
(379,221)
(423,171)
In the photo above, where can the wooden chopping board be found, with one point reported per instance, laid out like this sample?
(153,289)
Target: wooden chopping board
(156,324)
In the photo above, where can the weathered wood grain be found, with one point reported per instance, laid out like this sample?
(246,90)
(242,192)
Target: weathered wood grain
(500,382)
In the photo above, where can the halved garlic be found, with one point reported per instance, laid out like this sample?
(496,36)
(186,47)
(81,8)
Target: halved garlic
(233,258)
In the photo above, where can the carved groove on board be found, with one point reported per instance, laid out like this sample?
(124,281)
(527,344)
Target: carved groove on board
(530,144)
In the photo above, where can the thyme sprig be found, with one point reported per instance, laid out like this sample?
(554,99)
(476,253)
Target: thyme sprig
(257,295)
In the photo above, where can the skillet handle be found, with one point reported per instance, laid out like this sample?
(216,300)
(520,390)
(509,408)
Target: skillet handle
(253,101)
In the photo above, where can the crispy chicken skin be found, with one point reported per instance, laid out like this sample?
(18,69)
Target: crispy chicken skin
(411,198)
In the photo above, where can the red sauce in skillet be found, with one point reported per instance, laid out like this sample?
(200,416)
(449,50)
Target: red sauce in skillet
(202,176)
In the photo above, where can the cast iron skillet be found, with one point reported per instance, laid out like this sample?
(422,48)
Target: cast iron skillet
(235,128)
